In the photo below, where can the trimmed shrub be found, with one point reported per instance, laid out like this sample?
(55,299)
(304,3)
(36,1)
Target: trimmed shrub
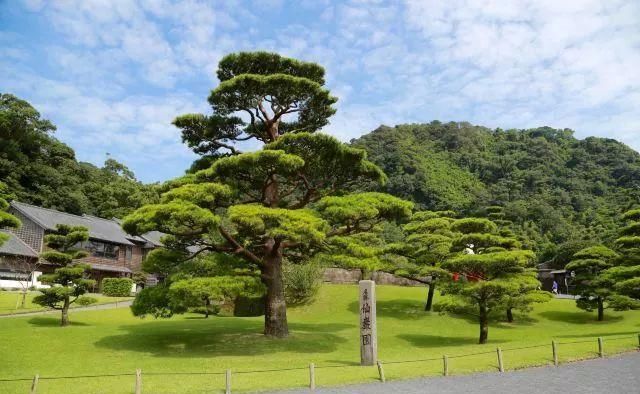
(116,287)
(86,300)
(301,282)
(153,301)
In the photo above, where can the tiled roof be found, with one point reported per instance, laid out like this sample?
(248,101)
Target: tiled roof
(154,237)
(100,229)
(16,247)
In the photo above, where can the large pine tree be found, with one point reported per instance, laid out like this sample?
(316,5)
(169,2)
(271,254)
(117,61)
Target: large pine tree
(265,205)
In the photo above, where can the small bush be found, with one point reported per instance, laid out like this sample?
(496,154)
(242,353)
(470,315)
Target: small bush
(301,282)
(116,287)
(153,301)
(86,300)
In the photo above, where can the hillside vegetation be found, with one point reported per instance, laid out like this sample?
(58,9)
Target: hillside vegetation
(553,187)
(39,169)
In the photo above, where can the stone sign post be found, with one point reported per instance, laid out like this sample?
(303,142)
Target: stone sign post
(368,332)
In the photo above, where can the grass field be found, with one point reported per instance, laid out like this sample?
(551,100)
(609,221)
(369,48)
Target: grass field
(10,302)
(326,333)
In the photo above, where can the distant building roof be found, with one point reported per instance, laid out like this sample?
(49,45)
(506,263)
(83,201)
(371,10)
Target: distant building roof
(100,229)
(16,247)
(154,237)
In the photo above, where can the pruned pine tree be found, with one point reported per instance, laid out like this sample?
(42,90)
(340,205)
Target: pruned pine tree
(68,282)
(492,269)
(276,202)
(593,288)
(625,276)
(427,244)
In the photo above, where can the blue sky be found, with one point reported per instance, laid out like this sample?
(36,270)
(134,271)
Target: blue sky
(112,74)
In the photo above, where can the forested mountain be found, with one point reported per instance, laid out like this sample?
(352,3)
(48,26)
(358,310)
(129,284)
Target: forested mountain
(552,187)
(39,169)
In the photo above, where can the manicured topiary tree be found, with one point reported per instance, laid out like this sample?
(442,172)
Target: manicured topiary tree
(427,244)
(625,276)
(593,288)
(69,281)
(492,269)
(266,205)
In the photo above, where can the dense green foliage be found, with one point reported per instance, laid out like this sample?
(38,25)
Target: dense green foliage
(117,287)
(40,170)
(68,282)
(301,282)
(6,219)
(553,188)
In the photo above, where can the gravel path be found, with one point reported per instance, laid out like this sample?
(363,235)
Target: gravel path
(619,374)
(112,305)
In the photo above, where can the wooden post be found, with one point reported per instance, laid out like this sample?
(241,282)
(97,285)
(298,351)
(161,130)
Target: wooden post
(381,372)
(34,384)
(312,376)
(138,381)
(600,347)
(554,346)
(228,382)
(500,364)
(368,331)
(445,365)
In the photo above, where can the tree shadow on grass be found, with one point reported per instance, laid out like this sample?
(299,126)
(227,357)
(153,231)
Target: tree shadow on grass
(397,309)
(433,341)
(215,337)
(578,317)
(604,335)
(52,322)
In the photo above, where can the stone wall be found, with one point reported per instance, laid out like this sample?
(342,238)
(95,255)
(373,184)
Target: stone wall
(341,275)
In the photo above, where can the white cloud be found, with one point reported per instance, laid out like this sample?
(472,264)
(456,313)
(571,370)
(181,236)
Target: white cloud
(120,71)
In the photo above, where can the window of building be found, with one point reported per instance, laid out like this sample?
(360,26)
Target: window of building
(128,253)
(12,275)
(101,249)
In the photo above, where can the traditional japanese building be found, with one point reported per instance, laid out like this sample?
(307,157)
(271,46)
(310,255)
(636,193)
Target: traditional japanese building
(112,252)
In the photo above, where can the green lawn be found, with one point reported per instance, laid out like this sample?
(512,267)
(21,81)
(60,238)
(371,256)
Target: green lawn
(10,301)
(326,333)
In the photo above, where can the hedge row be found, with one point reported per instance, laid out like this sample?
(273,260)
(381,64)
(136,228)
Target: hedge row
(116,287)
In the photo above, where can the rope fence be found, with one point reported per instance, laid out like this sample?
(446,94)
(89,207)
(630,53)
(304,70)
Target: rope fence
(313,367)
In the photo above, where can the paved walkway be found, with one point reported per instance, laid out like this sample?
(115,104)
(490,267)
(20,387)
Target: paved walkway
(112,305)
(615,375)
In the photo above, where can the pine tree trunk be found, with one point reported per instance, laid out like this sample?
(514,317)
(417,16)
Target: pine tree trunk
(275,311)
(207,303)
(23,303)
(600,309)
(429,304)
(484,324)
(65,312)
(510,315)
